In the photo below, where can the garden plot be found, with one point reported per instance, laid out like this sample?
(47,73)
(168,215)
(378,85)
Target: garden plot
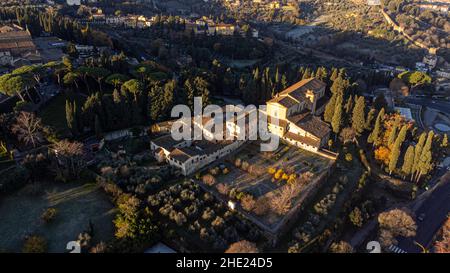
(267,186)
(290,159)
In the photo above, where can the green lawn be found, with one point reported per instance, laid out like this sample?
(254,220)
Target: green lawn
(54,113)
(77,205)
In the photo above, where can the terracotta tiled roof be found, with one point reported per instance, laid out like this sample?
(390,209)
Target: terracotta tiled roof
(311,124)
(279,122)
(166,142)
(296,92)
(179,155)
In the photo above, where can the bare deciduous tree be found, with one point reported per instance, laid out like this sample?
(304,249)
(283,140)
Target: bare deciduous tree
(393,223)
(341,247)
(282,201)
(28,129)
(242,247)
(69,158)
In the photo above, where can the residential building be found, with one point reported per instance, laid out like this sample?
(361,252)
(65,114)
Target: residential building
(191,155)
(422,67)
(84,51)
(293,115)
(16,40)
(221,29)
(444,73)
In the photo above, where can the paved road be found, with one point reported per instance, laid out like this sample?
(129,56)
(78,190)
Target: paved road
(441,105)
(435,208)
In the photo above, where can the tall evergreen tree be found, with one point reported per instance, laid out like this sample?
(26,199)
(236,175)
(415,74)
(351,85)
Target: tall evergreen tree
(307,74)
(393,133)
(329,109)
(369,119)
(339,86)
(349,105)
(408,161)
(336,122)
(375,135)
(396,148)
(334,74)
(418,152)
(444,143)
(425,161)
(358,117)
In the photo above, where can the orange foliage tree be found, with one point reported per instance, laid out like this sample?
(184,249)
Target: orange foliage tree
(382,154)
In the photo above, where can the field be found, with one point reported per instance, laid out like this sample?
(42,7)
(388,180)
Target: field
(76,205)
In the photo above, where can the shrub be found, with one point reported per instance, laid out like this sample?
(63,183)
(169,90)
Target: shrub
(238,162)
(255,170)
(49,214)
(35,244)
(279,174)
(341,247)
(261,206)
(218,222)
(124,171)
(223,188)
(99,248)
(225,171)
(348,157)
(248,202)
(179,218)
(242,247)
(208,213)
(356,217)
(214,171)
(245,165)
(209,180)
(292,178)
(239,195)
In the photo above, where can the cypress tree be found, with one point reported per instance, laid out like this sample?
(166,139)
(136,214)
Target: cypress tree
(395,152)
(72,118)
(369,119)
(349,105)
(418,153)
(444,143)
(329,109)
(424,165)
(334,74)
(336,123)
(69,114)
(375,135)
(408,161)
(307,74)
(358,120)
(393,133)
